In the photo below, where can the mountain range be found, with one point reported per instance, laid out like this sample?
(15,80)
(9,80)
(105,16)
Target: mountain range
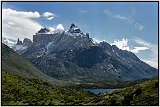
(73,55)
(53,68)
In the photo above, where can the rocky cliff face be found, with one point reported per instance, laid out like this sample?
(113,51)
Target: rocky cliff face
(72,55)
(27,42)
(21,47)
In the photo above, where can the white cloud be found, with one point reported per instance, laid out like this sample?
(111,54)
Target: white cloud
(50,18)
(107,12)
(60,27)
(137,49)
(153,60)
(83,11)
(52,29)
(19,24)
(95,40)
(144,43)
(9,42)
(24,14)
(129,20)
(121,17)
(121,44)
(11,23)
(48,14)
(139,26)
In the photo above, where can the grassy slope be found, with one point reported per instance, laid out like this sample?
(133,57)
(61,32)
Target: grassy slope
(145,93)
(14,63)
(18,90)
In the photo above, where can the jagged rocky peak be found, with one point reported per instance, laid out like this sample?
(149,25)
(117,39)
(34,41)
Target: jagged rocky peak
(115,47)
(72,26)
(44,30)
(104,45)
(87,34)
(74,29)
(21,47)
(19,42)
(27,41)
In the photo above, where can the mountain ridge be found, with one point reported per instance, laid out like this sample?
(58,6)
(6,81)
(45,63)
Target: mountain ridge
(71,54)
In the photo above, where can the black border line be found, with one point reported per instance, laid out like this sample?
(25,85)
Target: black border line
(75,2)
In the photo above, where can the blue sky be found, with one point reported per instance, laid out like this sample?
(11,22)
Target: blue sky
(130,25)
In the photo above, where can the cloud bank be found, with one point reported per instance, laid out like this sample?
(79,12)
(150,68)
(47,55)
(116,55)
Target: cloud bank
(23,24)
(22,14)
(19,24)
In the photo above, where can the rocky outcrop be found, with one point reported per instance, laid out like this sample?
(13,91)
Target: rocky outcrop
(43,30)
(19,42)
(87,34)
(27,42)
(21,47)
(74,29)
(43,38)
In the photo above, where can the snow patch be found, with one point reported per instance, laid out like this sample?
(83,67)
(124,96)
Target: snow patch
(48,45)
(96,41)
(19,47)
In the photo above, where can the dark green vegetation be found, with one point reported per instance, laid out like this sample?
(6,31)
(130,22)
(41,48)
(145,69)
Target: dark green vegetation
(17,90)
(145,93)
(14,63)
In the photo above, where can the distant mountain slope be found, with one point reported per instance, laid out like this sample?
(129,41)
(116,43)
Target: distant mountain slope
(144,94)
(14,63)
(72,55)
(17,90)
